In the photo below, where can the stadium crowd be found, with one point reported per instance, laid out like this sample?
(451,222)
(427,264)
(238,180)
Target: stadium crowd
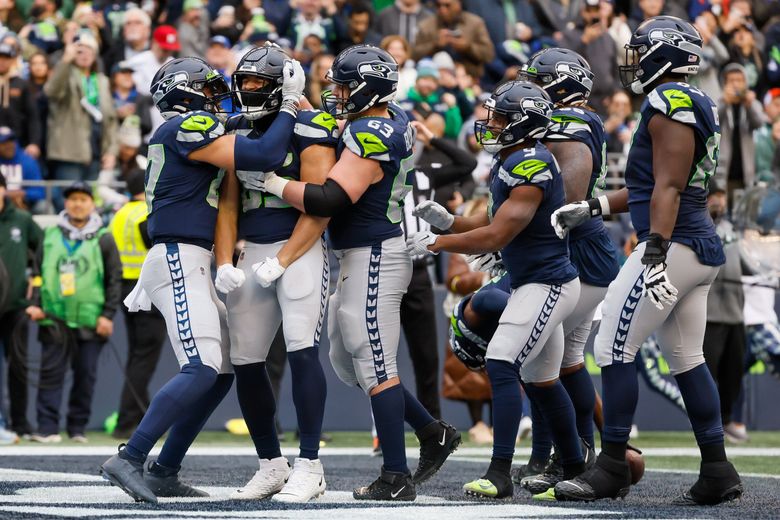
(75,107)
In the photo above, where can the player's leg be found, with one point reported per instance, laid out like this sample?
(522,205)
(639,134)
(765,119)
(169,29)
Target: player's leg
(533,314)
(177,278)
(647,366)
(253,319)
(302,292)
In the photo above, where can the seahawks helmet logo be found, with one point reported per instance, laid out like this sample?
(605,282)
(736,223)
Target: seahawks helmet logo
(377,69)
(168,83)
(575,72)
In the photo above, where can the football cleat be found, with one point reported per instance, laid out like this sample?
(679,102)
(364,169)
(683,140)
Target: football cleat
(267,481)
(718,482)
(547,496)
(494,487)
(391,485)
(128,475)
(607,478)
(164,482)
(534,467)
(306,482)
(552,474)
(437,442)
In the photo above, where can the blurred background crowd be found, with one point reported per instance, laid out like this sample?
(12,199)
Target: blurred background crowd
(75,106)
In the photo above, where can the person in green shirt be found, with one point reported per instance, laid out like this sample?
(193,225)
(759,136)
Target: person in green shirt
(426,97)
(19,237)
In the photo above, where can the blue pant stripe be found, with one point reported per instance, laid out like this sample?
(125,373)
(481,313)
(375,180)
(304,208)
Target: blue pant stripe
(541,322)
(180,302)
(624,322)
(372,315)
(323,292)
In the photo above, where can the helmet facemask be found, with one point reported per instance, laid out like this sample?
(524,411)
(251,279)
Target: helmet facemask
(646,62)
(357,101)
(494,137)
(259,102)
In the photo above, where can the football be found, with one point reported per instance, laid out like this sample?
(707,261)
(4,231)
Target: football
(636,464)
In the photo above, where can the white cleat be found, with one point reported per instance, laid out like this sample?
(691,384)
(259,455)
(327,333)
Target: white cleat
(306,482)
(267,481)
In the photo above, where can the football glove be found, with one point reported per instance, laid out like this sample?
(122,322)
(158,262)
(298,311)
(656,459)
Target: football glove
(228,278)
(656,284)
(569,216)
(490,263)
(293,83)
(435,214)
(417,243)
(267,271)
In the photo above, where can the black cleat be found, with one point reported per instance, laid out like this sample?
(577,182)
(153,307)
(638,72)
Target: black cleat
(164,482)
(534,467)
(391,485)
(437,442)
(552,474)
(128,475)
(607,478)
(718,482)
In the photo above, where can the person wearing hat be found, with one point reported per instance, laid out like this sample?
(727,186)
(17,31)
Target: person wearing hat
(123,90)
(16,165)
(82,120)
(79,285)
(193,29)
(427,97)
(145,329)
(165,45)
(220,56)
(18,108)
(19,236)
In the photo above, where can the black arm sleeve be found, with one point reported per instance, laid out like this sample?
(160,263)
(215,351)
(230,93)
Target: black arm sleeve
(267,153)
(325,200)
(143,229)
(112,275)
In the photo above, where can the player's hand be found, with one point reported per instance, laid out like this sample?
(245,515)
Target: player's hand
(228,278)
(293,83)
(417,243)
(656,284)
(490,263)
(435,214)
(267,271)
(569,216)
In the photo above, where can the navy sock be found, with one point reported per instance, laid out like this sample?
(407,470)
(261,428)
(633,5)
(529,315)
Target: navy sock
(554,403)
(388,409)
(184,389)
(541,440)
(309,392)
(507,407)
(703,404)
(415,413)
(258,406)
(579,386)
(184,430)
(620,393)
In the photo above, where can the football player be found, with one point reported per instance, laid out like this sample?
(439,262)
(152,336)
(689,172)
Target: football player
(364,194)
(664,283)
(578,142)
(297,299)
(186,156)
(525,188)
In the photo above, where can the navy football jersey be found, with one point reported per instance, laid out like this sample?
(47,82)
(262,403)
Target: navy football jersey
(536,254)
(266,219)
(377,215)
(597,263)
(694,228)
(182,194)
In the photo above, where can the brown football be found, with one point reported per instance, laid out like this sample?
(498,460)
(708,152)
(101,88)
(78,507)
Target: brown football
(636,464)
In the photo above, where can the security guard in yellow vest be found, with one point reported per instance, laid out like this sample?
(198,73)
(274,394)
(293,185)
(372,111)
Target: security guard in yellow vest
(80,287)
(145,330)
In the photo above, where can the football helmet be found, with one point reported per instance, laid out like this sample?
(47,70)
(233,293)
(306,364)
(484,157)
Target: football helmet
(186,85)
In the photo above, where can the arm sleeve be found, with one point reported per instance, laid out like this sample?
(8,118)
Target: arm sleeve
(112,277)
(268,152)
(325,200)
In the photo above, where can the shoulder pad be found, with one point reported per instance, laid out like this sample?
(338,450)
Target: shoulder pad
(674,101)
(365,141)
(196,126)
(316,124)
(525,168)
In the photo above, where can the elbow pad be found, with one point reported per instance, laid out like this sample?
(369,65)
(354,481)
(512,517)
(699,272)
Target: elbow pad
(325,200)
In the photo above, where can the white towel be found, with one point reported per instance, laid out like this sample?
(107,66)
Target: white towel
(138,299)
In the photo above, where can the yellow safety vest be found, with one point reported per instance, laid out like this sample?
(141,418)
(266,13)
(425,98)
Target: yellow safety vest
(124,228)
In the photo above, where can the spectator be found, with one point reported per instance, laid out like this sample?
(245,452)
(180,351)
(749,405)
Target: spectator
(426,98)
(448,82)
(399,49)
(590,38)
(225,24)
(468,141)
(10,17)
(75,312)
(16,166)
(146,331)
(43,32)
(724,336)
(619,124)
(123,90)
(317,83)
(39,75)
(309,19)
(767,137)
(220,56)
(740,114)
(743,50)
(278,14)
(82,119)
(19,237)
(136,32)
(128,161)
(358,28)
(193,29)
(714,55)
(618,28)
(508,20)
(460,34)
(165,44)
(18,109)
(402,19)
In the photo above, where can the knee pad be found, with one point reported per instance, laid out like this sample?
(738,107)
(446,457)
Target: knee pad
(574,347)
(680,363)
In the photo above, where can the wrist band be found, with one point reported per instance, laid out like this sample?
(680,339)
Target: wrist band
(275,185)
(454,283)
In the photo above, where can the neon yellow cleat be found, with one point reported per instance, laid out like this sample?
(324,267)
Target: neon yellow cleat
(548,495)
(487,489)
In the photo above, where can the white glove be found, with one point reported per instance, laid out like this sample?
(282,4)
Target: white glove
(435,214)
(657,286)
(267,271)
(417,243)
(293,83)
(490,263)
(228,278)
(570,216)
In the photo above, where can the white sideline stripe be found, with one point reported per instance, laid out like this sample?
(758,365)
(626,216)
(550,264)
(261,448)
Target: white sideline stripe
(695,472)
(31,450)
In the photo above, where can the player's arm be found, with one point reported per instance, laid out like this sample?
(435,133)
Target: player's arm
(226,233)
(512,218)
(437,216)
(571,215)
(576,164)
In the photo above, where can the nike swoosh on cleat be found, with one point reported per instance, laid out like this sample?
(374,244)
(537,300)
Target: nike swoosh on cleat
(394,495)
(443,436)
